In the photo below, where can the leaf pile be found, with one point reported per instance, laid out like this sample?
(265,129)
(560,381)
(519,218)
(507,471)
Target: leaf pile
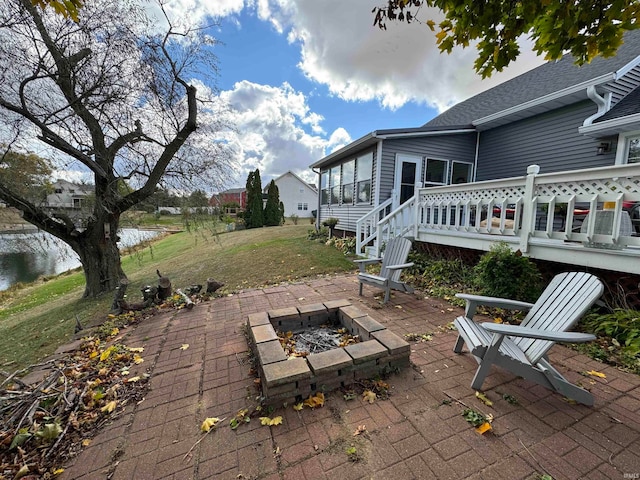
(45,424)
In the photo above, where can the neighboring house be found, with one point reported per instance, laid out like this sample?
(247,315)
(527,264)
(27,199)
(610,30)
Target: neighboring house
(233,195)
(68,195)
(558,116)
(298,196)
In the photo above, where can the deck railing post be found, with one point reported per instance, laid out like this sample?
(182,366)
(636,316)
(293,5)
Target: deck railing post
(528,211)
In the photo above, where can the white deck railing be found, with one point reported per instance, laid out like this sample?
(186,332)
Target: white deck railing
(556,216)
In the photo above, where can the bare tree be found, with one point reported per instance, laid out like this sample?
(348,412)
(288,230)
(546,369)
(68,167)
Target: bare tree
(109,95)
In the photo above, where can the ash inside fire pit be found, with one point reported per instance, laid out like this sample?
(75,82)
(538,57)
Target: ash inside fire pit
(315,340)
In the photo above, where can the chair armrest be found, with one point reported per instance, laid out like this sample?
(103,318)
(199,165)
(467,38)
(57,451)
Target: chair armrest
(366,261)
(554,336)
(399,267)
(474,300)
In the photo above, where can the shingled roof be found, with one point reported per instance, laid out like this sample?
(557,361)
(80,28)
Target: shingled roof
(629,105)
(544,80)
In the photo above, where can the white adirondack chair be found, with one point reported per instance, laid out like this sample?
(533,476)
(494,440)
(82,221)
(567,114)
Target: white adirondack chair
(522,349)
(393,262)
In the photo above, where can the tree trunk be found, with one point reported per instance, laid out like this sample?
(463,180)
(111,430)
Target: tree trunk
(100,258)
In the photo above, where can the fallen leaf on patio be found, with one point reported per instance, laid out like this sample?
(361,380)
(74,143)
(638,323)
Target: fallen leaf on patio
(483,398)
(105,355)
(485,427)
(109,407)
(359,430)
(184,346)
(298,406)
(133,379)
(369,396)
(315,401)
(58,471)
(86,442)
(137,359)
(136,349)
(596,374)
(271,421)
(497,320)
(209,423)
(399,306)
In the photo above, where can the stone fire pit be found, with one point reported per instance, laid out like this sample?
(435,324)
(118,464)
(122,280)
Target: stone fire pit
(292,380)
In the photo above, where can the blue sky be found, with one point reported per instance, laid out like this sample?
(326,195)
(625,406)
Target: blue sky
(306,77)
(256,52)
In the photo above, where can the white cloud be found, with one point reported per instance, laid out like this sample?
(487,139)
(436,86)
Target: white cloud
(339,47)
(275,131)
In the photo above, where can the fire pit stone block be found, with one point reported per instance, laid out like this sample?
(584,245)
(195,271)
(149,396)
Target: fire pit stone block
(263,333)
(257,319)
(365,326)
(333,306)
(270,352)
(346,316)
(286,319)
(313,315)
(370,350)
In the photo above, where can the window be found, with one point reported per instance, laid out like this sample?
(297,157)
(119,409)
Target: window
(436,172)
(364,166)
(445,172)
(633,150)
(303,206)
(58,190)
(460,172)
(335,184)
(301,190)
(324,187)
(348,170)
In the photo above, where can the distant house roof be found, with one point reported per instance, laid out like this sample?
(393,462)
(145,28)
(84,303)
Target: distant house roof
(544,84)
(232,190)
(309,185)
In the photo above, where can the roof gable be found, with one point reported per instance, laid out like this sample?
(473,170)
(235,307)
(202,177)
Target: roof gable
(551,80)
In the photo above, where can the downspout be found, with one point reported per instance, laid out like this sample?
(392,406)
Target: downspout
(376,200)
(475,166)
(319,198)
(602,103)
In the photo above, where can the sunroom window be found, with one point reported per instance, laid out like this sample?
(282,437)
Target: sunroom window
(364,166)
(335,185)
(348,170)
(324,187)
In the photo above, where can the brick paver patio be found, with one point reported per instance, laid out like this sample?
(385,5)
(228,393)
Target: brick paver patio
(419,433)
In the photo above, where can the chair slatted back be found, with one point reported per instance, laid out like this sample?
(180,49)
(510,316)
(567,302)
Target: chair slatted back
(395,253)
(561,305)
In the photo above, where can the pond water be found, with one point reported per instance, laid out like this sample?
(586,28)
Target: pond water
(26,256)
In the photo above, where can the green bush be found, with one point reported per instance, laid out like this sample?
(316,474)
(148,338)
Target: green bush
(322,234)
(504,273)
(346,245)
(623,326)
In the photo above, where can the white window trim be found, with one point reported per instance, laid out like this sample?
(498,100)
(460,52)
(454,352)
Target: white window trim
(622,151)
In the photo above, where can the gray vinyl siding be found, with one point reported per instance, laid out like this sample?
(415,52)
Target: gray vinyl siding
(550,140)
(460,147)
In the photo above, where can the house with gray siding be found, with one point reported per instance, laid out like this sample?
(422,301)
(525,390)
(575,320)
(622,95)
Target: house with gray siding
(558,116)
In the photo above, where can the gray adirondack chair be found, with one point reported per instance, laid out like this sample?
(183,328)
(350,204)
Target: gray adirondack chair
(393,262)
(523,349)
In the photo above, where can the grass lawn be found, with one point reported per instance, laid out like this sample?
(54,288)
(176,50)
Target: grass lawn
(36,319)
